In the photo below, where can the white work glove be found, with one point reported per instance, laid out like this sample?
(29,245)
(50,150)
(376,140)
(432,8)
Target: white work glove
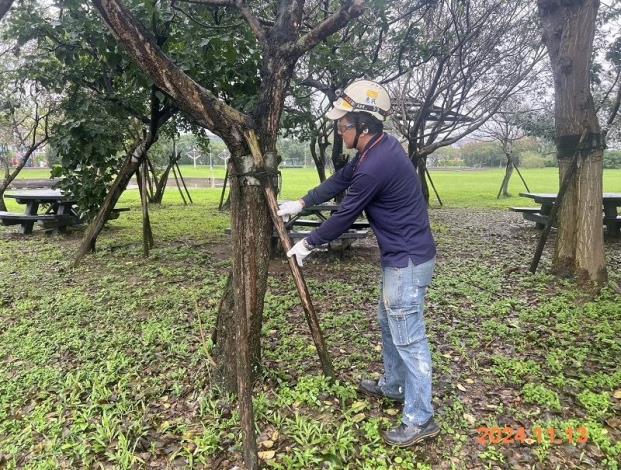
(289,208)
(301,250)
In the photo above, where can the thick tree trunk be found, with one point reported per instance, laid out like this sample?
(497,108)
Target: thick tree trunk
(251,230)
(569,29)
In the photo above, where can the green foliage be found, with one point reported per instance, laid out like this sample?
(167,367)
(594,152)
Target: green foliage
(597,404)
(612,159)
(541,395)
(109,363)
(88,146)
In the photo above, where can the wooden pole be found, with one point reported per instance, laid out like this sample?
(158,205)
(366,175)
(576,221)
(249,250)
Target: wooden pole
(183,182)
(296,271)
(226,178)
(435,191)
(567,179)
(179,186)
(521,177)
(142,183)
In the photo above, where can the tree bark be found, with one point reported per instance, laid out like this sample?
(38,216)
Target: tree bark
(318,158)
(569,29)
(504,186)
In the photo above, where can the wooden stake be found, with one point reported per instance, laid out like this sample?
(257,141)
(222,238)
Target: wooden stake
(226,178)
(567,179)
(298,277)
(179,186)
(183,182)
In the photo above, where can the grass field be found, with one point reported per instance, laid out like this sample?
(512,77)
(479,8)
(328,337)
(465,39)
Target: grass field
(457,188)
(109,364)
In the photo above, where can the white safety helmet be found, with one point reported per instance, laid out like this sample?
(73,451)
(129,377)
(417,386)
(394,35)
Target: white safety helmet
(362,95)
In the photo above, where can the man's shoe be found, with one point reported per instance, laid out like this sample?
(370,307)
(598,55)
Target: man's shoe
(371,388)
(406,436)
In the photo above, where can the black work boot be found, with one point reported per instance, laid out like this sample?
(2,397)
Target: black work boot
(371,388)
(405,436)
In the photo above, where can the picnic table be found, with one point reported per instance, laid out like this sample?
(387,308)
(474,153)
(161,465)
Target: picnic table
(610,203)
(300,225)
(59,210)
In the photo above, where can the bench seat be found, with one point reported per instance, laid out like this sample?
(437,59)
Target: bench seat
(317,223)
(349,235)
(17,218)
(529,210)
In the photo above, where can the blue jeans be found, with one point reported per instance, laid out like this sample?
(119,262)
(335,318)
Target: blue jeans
(407,359)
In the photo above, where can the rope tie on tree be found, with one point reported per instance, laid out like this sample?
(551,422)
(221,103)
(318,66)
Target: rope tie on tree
(249,176)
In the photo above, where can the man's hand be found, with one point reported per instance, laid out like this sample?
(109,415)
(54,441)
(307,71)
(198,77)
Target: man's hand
(289,208)
(300,251)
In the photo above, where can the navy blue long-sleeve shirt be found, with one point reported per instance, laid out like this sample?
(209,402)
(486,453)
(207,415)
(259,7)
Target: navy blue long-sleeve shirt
(385,184)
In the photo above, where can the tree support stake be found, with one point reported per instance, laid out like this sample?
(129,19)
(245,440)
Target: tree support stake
(567,180)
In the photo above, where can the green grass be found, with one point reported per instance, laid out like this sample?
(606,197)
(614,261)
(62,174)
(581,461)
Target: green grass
(109,364)
(457,188)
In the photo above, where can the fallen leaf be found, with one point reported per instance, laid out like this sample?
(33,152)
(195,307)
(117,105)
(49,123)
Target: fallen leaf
(275,435)
(617,394)
(358,406)
(359,417)
(267,454)
(392,412)
(469,381)
(378,348)
(471,419)
(461,387)
(267,444)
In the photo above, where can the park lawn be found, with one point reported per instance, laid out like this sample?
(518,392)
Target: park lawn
(108,364)
(457,188)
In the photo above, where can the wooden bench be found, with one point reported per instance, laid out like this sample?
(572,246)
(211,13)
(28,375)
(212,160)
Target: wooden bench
(116,212)
(317,223)
(27,221)
(613,225)
(349,235)
(529,210)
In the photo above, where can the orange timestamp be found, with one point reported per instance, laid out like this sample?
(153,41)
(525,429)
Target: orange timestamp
(509,435)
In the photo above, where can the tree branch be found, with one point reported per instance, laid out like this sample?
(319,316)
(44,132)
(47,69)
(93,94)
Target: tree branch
(191,97)
(246,12)
(351,9)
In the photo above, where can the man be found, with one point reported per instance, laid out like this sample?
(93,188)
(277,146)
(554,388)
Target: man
(382,181)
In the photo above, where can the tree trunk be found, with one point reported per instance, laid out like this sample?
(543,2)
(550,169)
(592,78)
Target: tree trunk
(569,28)
(504,186)
(96,226)
(318,158)
(339,160)
(420,163)
(9,177)
(160,185)
(251,231)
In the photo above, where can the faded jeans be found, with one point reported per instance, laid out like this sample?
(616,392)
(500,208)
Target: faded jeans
(407,359)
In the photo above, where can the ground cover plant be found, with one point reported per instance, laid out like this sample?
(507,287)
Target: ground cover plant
(109,364)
